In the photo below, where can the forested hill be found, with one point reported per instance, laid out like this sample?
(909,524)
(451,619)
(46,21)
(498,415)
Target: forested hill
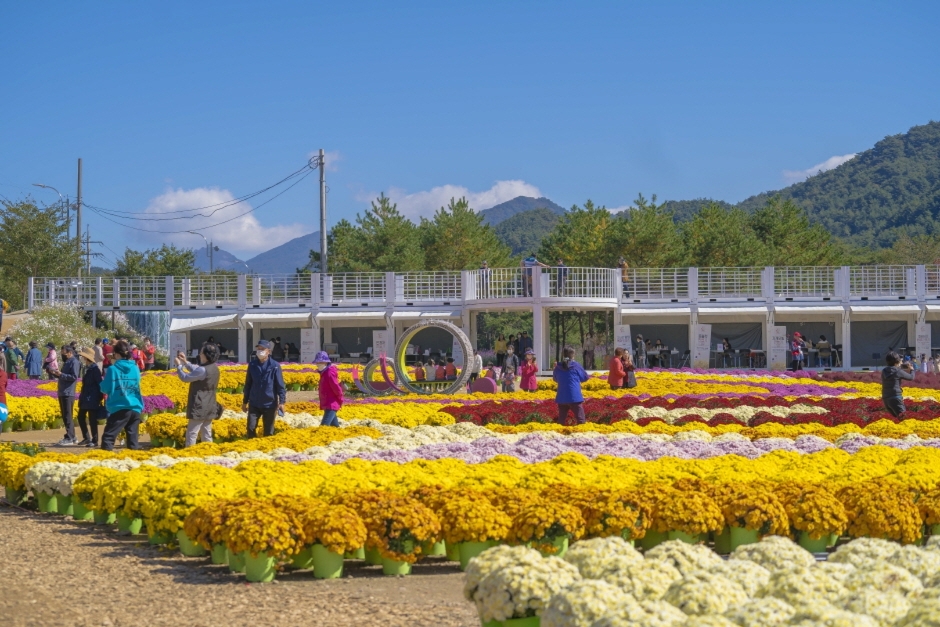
(519,204)
(524,232)
(870,200)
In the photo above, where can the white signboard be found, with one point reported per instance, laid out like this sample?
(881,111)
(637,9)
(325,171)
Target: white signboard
(779,348)
(622,337)
(177,345)
(309,345)
(701,345)
(380,343)
(457,353)
(922,340)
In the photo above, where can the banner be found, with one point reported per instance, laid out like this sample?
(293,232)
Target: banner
(380,343)
(177,345)
(457,353)
(309,344)
(923,340)
(701,346)
(779,349)
(622,338)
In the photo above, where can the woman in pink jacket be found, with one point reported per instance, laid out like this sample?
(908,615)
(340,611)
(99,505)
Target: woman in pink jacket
(331,392)
(528,371)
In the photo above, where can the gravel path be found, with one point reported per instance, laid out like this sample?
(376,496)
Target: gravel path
(62,573)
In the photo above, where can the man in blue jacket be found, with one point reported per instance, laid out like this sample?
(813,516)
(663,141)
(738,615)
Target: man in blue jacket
(265,393)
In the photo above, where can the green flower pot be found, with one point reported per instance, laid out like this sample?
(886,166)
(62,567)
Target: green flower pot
(303,560)
(626,535)
(7,426)
(48,503)
(295,387)
(219,554)
(14,496)
(104,518)
(64,505)
(239,389)
(79,511)
(358,554)
(818,545)
(373,557)
(560,547)
(236,561)
(326,563)
(651,539)
(187,547)
(452,551)
(159,538)
(57,424)
(685,537)
(532,621)
(834,538)
(25,425)
(433,549)
(469,550)
(259,568)
(394,567)
(723,541)
(491,623)
(129,526)
(741,536)
(169,443)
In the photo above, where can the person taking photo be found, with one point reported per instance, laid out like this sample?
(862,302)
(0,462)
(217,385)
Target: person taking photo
(202,405)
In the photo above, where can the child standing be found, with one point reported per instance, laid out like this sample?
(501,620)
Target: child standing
(891,378)
(529,369)
(331,392)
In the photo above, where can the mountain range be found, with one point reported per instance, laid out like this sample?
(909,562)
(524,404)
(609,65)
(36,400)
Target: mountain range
(283,259)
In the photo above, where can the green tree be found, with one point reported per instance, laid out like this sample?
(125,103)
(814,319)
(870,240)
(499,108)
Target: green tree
(163,261)
(524,232)
(35,243)
(913,250)
(457,239)
(382,240)
(582,238)
(720,237)
(790,240)
(647,236)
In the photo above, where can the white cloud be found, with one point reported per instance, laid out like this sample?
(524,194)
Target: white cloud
(241,235)
(795,176)
(424,204)
(620,208)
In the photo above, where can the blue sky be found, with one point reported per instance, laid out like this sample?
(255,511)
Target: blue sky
(175,105)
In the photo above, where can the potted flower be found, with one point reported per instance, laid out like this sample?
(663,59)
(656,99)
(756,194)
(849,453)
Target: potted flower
(263,534)
(473,525)
(877,509)
(754,514)
(615,513)
(88,490)
(516,594)
(818,516)
(302,508)
(368,504)
(689,516)
(332,532)
(405,525)
(204,524)
(548,526)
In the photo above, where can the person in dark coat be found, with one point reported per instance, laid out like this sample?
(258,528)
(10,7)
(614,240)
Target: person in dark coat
(68,377)
(33,361)
(202,406)
(265,393)
(569,375)
(90,400)
(891,377)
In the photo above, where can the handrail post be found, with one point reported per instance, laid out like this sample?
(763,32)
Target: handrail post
(693,286)
(466,282)
(242,283)
(920,283)
(30,297)
(846,283)
(116,293)
(768,288)
(315,289)
(391,289)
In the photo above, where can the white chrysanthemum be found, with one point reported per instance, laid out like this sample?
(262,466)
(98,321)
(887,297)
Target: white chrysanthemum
(646,580)
(696,596)
(828,616)
(775,553)
(582,603)
(923,613)
(684,556)
(884,577)
(932,544)
(837,570)
(750,576)
(493,559)
(767,612)
(646,614)
(522,590)
(591,556)
(806,585)
(712,620)
(922,564)
(885,607)
(861,551)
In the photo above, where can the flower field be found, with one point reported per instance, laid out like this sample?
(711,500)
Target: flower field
(828,507)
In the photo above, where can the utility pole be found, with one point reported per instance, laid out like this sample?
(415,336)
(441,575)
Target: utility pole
(78,213)
(323,266)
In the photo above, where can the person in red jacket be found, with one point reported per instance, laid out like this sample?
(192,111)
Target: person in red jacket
(331,392)
(138,356)
(617,371)
(527,381)
(440,373)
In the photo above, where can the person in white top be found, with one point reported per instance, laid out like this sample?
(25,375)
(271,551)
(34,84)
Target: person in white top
(476,366)
(430,372)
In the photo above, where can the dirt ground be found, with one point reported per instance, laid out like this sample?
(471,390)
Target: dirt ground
(61,573)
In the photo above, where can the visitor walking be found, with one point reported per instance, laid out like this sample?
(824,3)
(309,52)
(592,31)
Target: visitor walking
(107,350)
(796,351)
(569,375)
(624,275)
(277,351)
(90,398)
(98,350)
(640,352)
(891,377)
(616,371)
(528,372)
(528,264)
(202,404)
(68,377)
(265,393)
(331,392)
(485,280)
(51,362)
(138,357)
(121,386)
(510,365)
(525,343)
(149,354)
(589,346)
(476,365)
(500,347)
(13,355)
(33,362)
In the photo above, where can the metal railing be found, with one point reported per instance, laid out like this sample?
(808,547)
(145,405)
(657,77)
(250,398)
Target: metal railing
(357,287)
(494,283)
(597,283)
(279,289)
(932,279)
(655,283)
(428,286)
(730,282)
(138,291)
(66,291)
(880,280)
(805,282)
(211,289)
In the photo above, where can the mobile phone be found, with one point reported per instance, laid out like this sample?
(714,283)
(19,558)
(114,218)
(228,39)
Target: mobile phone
(280,412)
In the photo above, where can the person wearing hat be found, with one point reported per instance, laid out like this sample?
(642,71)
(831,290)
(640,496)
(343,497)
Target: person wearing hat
(265,393)
(527,381)
(796,351)
(90,399)
(68,376)
(51,361)
(202,406)
(33,361)
(331,392)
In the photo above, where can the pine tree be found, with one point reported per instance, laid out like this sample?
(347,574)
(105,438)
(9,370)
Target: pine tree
(457,239)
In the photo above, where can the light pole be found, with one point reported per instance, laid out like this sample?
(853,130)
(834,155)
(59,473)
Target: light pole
(209,248)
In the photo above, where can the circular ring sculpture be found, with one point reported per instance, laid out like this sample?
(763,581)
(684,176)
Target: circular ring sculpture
(402,382)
